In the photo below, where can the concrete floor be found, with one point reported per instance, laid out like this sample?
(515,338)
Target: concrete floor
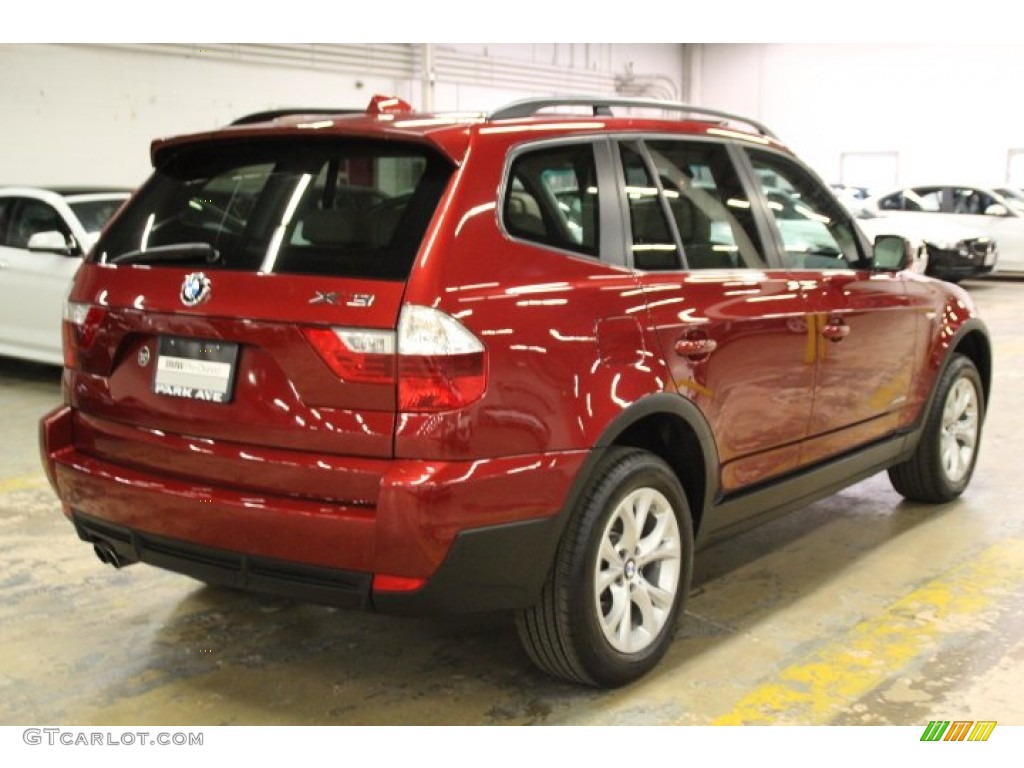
(860,609)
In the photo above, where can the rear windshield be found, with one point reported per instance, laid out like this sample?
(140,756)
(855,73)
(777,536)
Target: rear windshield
(351,209)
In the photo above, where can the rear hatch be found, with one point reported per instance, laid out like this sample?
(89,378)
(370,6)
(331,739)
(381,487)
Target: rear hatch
(236,324)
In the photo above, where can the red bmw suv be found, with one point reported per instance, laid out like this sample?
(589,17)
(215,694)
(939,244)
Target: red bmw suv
(523,361)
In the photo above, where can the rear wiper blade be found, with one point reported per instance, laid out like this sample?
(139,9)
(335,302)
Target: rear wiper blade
(174,252)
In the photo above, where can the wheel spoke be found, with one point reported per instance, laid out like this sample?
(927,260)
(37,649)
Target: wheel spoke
(665,550)
(609,554)
(629,532)
(607,577)
(649,621)
(661,598)
(619,607)
(641,509)
(663,519)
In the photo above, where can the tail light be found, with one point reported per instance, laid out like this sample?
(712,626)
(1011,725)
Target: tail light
(80,327)
(438,363)
(357,356)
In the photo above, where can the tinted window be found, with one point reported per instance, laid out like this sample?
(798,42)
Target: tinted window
(654,245)
(709,206)
(551,198)
(94,214)
(355,209)
(815,231)
(30,217)
(923,199)
(6,209)
(970,201)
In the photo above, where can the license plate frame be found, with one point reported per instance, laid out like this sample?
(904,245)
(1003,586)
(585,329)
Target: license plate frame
(195,369)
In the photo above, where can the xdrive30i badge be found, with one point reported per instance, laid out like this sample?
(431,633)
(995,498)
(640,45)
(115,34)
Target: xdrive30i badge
(195,290)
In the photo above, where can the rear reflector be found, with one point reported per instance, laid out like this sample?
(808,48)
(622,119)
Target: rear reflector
(382,582)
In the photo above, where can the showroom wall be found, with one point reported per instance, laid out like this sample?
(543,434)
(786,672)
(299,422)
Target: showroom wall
(896,113)
(87,113)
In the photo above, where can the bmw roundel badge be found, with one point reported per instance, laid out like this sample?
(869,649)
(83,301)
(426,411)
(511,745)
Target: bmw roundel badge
(195,290)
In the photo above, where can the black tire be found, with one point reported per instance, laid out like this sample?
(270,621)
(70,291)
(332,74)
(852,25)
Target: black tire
(940,468)
(572,632)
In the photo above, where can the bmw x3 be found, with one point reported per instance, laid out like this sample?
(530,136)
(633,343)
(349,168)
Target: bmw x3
(523,361)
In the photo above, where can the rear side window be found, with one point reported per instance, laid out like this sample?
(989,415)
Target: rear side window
(654,246)
(346,209)
(709,206)
(94,214)
(927,200)
(551,198)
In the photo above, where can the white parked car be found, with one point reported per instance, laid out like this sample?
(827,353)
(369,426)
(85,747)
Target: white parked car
(982,209)
(44,233)
(945,249)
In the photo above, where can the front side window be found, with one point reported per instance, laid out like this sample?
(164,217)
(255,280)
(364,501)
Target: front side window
(814,230)
(30,217)
(346,209)
(970,201)
(551,198)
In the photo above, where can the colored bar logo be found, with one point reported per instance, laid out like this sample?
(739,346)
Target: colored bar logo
(958,730)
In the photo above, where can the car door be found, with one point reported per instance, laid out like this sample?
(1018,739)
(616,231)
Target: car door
(863,326)
(34,283)
(730,329)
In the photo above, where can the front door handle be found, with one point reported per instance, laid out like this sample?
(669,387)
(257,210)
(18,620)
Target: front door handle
(695,348)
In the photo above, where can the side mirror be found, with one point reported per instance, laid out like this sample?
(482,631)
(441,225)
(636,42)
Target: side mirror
(997,209)
(52,242)
(892,253)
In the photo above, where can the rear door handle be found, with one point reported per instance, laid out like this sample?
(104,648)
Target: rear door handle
(695,348)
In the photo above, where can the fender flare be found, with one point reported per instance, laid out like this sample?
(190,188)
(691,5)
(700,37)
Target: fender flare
(972,325)
(661,403)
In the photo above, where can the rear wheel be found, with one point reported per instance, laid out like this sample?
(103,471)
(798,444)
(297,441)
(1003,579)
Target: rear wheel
(609,609)
(943,462)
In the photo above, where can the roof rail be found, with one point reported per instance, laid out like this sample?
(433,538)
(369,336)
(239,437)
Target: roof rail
(273,114)
(602,105)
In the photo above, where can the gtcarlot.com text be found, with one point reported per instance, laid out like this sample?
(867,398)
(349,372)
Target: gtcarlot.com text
(54,737)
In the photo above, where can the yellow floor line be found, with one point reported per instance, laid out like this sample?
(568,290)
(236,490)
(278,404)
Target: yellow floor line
(829,681)
(21,483)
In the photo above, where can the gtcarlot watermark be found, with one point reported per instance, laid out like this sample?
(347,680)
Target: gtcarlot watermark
(67,737)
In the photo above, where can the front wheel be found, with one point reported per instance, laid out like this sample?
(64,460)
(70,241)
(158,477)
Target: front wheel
(941,466)
(609,609)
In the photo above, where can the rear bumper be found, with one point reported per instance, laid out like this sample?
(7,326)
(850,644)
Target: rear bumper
(482,534)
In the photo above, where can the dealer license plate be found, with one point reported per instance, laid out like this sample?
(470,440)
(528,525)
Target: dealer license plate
(195,369)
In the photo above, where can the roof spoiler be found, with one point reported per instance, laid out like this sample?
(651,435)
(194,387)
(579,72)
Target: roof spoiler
(274,114)
(378,105)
